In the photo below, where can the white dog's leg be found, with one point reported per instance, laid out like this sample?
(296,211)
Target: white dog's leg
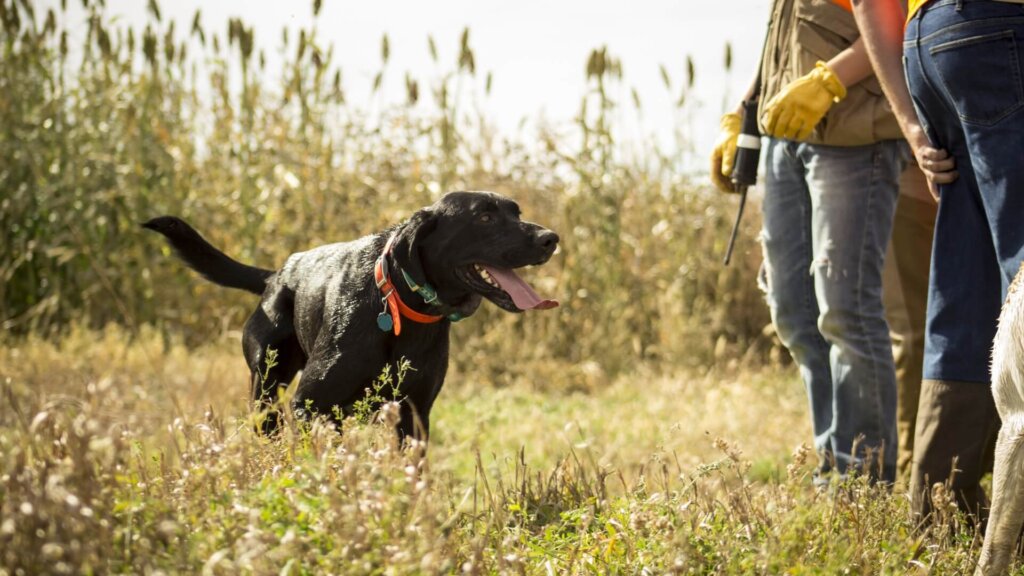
(1007,512)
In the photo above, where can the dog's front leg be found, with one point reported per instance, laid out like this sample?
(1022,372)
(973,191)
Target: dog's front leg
(333,381)
(420,388)
(1007,512)
(413,423)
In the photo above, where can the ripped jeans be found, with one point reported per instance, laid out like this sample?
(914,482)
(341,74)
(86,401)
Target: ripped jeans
(828,214)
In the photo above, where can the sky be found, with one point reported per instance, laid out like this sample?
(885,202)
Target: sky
(536,49)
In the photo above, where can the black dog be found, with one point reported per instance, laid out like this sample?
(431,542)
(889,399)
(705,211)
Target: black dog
(343,312)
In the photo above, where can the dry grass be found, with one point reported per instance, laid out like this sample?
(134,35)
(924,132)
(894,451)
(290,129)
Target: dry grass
(608,446)
(135,455)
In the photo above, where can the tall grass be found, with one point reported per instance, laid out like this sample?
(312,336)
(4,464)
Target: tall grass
(127,455)
(186,120)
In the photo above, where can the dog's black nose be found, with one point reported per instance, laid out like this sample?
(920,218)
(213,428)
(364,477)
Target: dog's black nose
(547,239)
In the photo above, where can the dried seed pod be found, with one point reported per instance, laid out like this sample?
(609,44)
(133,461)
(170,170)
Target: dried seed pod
(412,89)
(149,46)
(337,92)
(245,41)
(169,43)
(12,20)
(154,9)
(51,23)
(466,59)
(103,41)
(596,63)
(197,28)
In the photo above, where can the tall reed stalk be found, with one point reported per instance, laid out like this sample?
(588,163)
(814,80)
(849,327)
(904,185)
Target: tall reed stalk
(185,120)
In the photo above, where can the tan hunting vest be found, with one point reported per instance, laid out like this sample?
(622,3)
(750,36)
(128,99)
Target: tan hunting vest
(805,31)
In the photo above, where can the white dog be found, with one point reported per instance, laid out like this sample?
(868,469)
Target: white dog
(1007,513)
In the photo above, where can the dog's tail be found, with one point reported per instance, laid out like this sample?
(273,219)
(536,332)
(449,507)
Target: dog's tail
(201,256)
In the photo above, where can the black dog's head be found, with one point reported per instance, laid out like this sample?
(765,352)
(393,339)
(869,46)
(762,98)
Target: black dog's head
(468,244)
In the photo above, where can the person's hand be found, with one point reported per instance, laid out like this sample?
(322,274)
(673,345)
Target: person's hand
(938,166)
(795,111)
(723,157)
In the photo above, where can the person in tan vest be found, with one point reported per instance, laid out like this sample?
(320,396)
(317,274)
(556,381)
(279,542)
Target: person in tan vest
(834,158)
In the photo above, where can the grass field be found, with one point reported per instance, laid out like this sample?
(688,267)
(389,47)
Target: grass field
(648,426)
(131,454)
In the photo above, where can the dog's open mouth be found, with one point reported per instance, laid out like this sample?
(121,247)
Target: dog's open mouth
(523,296)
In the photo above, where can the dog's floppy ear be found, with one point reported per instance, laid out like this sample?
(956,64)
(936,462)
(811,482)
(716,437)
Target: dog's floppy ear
(409,241)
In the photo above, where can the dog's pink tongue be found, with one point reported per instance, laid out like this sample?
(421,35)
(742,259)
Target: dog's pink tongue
(522,294)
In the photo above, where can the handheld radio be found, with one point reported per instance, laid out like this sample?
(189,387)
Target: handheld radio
(748,156)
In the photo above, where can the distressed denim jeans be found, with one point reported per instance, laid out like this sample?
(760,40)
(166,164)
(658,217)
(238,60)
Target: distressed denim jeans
(828,214)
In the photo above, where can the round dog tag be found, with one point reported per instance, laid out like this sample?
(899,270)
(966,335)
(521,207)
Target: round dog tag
(384,322)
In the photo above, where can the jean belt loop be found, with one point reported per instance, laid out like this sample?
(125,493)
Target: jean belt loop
(959,5)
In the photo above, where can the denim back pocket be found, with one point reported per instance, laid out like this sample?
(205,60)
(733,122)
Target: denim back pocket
(981,76)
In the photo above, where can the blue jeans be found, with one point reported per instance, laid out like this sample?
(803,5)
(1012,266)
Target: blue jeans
(963,66)
(828,214)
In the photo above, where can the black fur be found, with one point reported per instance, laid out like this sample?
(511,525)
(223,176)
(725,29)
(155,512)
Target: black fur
(202,257)
(319,310)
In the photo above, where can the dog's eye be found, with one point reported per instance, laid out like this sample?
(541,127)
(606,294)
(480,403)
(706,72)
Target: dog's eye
(486,218)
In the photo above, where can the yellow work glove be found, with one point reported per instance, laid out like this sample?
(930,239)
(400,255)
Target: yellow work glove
(795,111)
(723,158)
